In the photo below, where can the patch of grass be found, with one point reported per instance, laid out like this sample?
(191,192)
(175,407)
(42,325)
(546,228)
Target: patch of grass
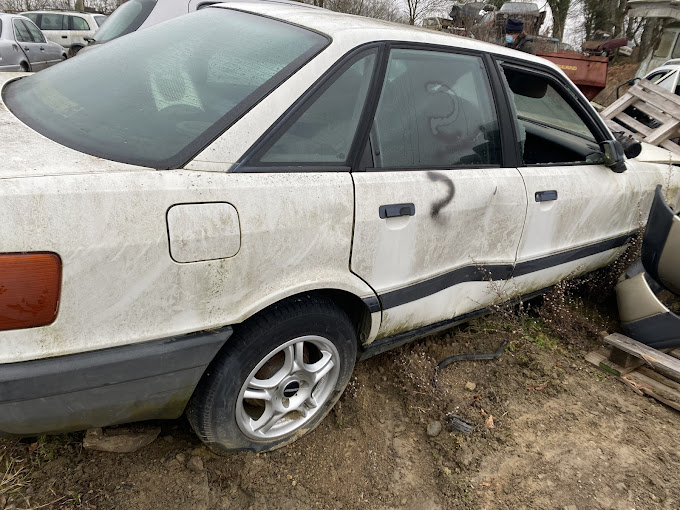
(47,448)
(14,470)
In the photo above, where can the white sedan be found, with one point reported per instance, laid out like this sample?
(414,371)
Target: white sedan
(226,221)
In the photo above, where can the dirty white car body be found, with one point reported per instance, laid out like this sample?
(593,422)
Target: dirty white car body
(169,275)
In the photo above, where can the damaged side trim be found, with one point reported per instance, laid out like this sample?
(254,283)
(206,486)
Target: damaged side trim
(484,272)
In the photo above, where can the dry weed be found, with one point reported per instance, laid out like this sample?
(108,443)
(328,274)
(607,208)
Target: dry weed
(14,470)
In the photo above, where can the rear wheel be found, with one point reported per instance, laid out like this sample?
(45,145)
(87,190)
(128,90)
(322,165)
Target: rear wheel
(24,67)
(278,376)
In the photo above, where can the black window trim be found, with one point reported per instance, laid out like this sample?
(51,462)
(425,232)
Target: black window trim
(500,116)
(250,162)
(579,104)
(361,156)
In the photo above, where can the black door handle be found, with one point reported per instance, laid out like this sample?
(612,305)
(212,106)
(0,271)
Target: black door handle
(394,210)
(546,196)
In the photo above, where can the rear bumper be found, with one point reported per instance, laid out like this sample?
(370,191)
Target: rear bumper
(105,387)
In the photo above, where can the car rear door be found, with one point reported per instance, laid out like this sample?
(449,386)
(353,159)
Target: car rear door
(55,28)
(48,54)
(31,49)
(580,213)
(438,218)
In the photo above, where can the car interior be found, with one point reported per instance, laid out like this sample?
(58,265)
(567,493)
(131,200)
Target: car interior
(543,138)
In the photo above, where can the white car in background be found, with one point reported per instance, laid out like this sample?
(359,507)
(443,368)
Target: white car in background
(270,192)
(71,29)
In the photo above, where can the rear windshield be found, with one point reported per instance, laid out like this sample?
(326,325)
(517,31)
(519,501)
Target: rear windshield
(196,75)
(126,19)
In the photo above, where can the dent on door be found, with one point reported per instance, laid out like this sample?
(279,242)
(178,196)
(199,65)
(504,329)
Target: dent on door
(198,232)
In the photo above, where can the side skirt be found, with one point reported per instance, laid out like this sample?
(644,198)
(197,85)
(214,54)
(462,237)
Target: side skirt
(392,342)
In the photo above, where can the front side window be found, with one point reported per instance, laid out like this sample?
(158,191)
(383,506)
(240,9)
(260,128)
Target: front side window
(78,23)
(435,111)
(550,129)
(197,74)
(21,32)
(126,19)
(35,33)
(325,131)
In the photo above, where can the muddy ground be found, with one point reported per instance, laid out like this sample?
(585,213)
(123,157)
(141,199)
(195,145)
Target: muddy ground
(549,431)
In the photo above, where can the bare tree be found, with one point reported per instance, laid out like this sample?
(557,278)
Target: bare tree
(380,9)
(419,9)
(560,10)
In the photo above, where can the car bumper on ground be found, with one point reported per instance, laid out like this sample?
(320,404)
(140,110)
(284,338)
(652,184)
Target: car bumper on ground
(105,387)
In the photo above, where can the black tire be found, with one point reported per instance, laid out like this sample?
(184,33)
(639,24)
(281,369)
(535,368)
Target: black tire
(24,67)
(73,50)
(219,411)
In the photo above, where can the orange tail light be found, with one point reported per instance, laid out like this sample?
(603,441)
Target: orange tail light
(30,284)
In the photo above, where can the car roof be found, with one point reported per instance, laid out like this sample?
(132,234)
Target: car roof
(59,11)
(364,30)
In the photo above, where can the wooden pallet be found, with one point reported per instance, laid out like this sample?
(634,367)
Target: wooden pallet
(644,369)
(654,101)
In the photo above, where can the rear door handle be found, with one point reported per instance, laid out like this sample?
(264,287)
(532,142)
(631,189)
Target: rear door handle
(546,196)
(394,210)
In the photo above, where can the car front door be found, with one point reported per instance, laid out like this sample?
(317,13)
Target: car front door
(580,213)
(438,218)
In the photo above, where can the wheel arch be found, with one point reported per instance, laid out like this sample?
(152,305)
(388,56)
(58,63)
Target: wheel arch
(365,320)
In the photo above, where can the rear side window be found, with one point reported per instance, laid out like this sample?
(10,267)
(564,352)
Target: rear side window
(197,74)
(325,131)
(35,33)
(436,111)
(78,23)
(127,18)
(22,33)
(53,22)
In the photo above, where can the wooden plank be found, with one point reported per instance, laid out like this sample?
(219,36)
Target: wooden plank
(648,372)
(656,101)
(663,363)
(600,358)
(671,146)
(654,389)
(659,90)
(675,352)
(638,126)
(663,132)
(623,359)
(615,126)
(618,106)
(654,113)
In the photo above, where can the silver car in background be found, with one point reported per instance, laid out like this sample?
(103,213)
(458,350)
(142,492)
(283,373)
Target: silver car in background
(23,47)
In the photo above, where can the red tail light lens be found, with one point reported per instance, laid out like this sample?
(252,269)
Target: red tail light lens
(30,284)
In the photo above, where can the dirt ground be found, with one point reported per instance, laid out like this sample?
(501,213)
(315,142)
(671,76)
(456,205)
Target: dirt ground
(549,431)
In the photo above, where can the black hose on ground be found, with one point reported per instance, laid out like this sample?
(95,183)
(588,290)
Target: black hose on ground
(472,357)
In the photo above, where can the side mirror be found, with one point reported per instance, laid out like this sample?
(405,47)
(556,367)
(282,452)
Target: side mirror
(613,155)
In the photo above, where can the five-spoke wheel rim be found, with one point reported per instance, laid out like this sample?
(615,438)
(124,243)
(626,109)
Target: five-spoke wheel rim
(288,388)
